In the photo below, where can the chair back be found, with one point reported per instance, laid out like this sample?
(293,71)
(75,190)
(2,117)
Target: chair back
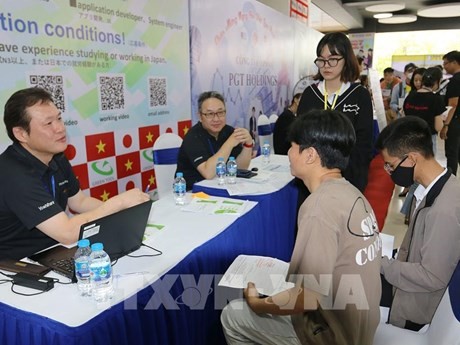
(264,130)
(273,118)
(165,152)
(444,328)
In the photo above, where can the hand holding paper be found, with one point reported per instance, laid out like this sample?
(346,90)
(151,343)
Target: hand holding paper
(268,274)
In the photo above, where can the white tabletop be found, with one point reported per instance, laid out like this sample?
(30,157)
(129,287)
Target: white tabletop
(270,178)
(181,234)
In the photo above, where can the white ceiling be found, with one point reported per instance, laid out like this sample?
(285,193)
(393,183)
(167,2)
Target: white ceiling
(352,16)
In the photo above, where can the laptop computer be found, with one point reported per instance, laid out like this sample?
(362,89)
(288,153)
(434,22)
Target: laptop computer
(121,233)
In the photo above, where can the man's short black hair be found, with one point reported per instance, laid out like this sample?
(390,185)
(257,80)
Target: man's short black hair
(453,55)
(15,112)
(388,70)
(209,94)
(329,132)
(409,66)
(404,135)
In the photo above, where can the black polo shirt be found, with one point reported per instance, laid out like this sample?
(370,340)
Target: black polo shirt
(452,91)
(29,196)
(198,146)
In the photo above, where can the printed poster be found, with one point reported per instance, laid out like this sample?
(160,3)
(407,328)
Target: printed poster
(118,71)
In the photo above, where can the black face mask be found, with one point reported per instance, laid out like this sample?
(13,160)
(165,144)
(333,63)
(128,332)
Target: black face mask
(403,176)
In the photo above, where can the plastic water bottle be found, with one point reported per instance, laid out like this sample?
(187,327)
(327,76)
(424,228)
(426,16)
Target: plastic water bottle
(179,188)
(101,273)
(266,150)
(81,258)
(220,171)
(232,169)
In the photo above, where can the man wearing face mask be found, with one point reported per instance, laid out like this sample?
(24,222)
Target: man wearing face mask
(401,90)
(429,252)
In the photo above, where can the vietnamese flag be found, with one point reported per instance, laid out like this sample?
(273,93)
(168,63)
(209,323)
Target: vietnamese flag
(128,164)
(148,135)
(81,172)
(148,179)
(183,127)
(100,146)
(104,191)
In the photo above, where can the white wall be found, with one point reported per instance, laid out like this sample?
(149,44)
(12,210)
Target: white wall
(282,6)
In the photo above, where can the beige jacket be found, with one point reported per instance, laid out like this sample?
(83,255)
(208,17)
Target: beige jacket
(428,255)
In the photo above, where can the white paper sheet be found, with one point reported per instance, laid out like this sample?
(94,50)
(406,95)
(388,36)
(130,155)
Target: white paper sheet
(268,274)
(387,244)
(213,206)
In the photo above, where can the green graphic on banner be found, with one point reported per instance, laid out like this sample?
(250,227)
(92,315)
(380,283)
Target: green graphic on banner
(107,57)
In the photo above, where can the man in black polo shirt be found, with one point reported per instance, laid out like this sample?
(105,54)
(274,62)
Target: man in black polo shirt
(210,139)
(37,182)
(451,130)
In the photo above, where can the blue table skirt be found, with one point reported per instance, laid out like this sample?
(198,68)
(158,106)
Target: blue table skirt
(279,209)
(268,229)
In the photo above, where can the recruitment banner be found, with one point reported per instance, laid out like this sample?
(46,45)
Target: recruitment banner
(245,52)
(118,71)
(363,46)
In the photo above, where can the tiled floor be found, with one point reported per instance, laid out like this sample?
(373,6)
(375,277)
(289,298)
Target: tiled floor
(394,223)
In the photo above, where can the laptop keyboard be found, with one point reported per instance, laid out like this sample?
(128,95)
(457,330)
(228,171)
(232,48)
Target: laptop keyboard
(65,265)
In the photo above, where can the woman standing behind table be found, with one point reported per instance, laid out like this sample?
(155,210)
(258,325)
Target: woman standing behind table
(337,72)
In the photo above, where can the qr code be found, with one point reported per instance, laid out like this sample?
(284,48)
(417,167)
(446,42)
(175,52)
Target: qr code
(54,84)
(111,92)
(157,88)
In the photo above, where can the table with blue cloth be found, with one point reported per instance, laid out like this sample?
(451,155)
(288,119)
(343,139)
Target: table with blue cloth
(173,298)
(274,190)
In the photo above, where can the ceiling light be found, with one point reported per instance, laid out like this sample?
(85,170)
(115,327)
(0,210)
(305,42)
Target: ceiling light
(399,19)
(441,11)
(385,8)
(383,15)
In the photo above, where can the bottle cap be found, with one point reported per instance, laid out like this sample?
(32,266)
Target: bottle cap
(231,158)
(83,243)
(97,246)
(179,174)
(220,159)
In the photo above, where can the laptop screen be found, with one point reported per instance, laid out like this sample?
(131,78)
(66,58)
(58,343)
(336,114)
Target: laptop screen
(121,233)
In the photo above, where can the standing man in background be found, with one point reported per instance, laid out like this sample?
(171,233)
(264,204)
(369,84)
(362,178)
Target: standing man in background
(388,83)
(282,125)
(451,130)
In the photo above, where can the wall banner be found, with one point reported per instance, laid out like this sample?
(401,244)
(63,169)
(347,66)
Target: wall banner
(118,71)
(246,53)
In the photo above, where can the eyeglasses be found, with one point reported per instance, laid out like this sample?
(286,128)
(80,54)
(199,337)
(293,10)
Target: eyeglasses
(389,167)
(332,62)
(212,114)
(446,62)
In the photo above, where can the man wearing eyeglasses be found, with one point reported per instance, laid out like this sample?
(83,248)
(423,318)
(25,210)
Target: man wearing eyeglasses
(210,139)
(416,280)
